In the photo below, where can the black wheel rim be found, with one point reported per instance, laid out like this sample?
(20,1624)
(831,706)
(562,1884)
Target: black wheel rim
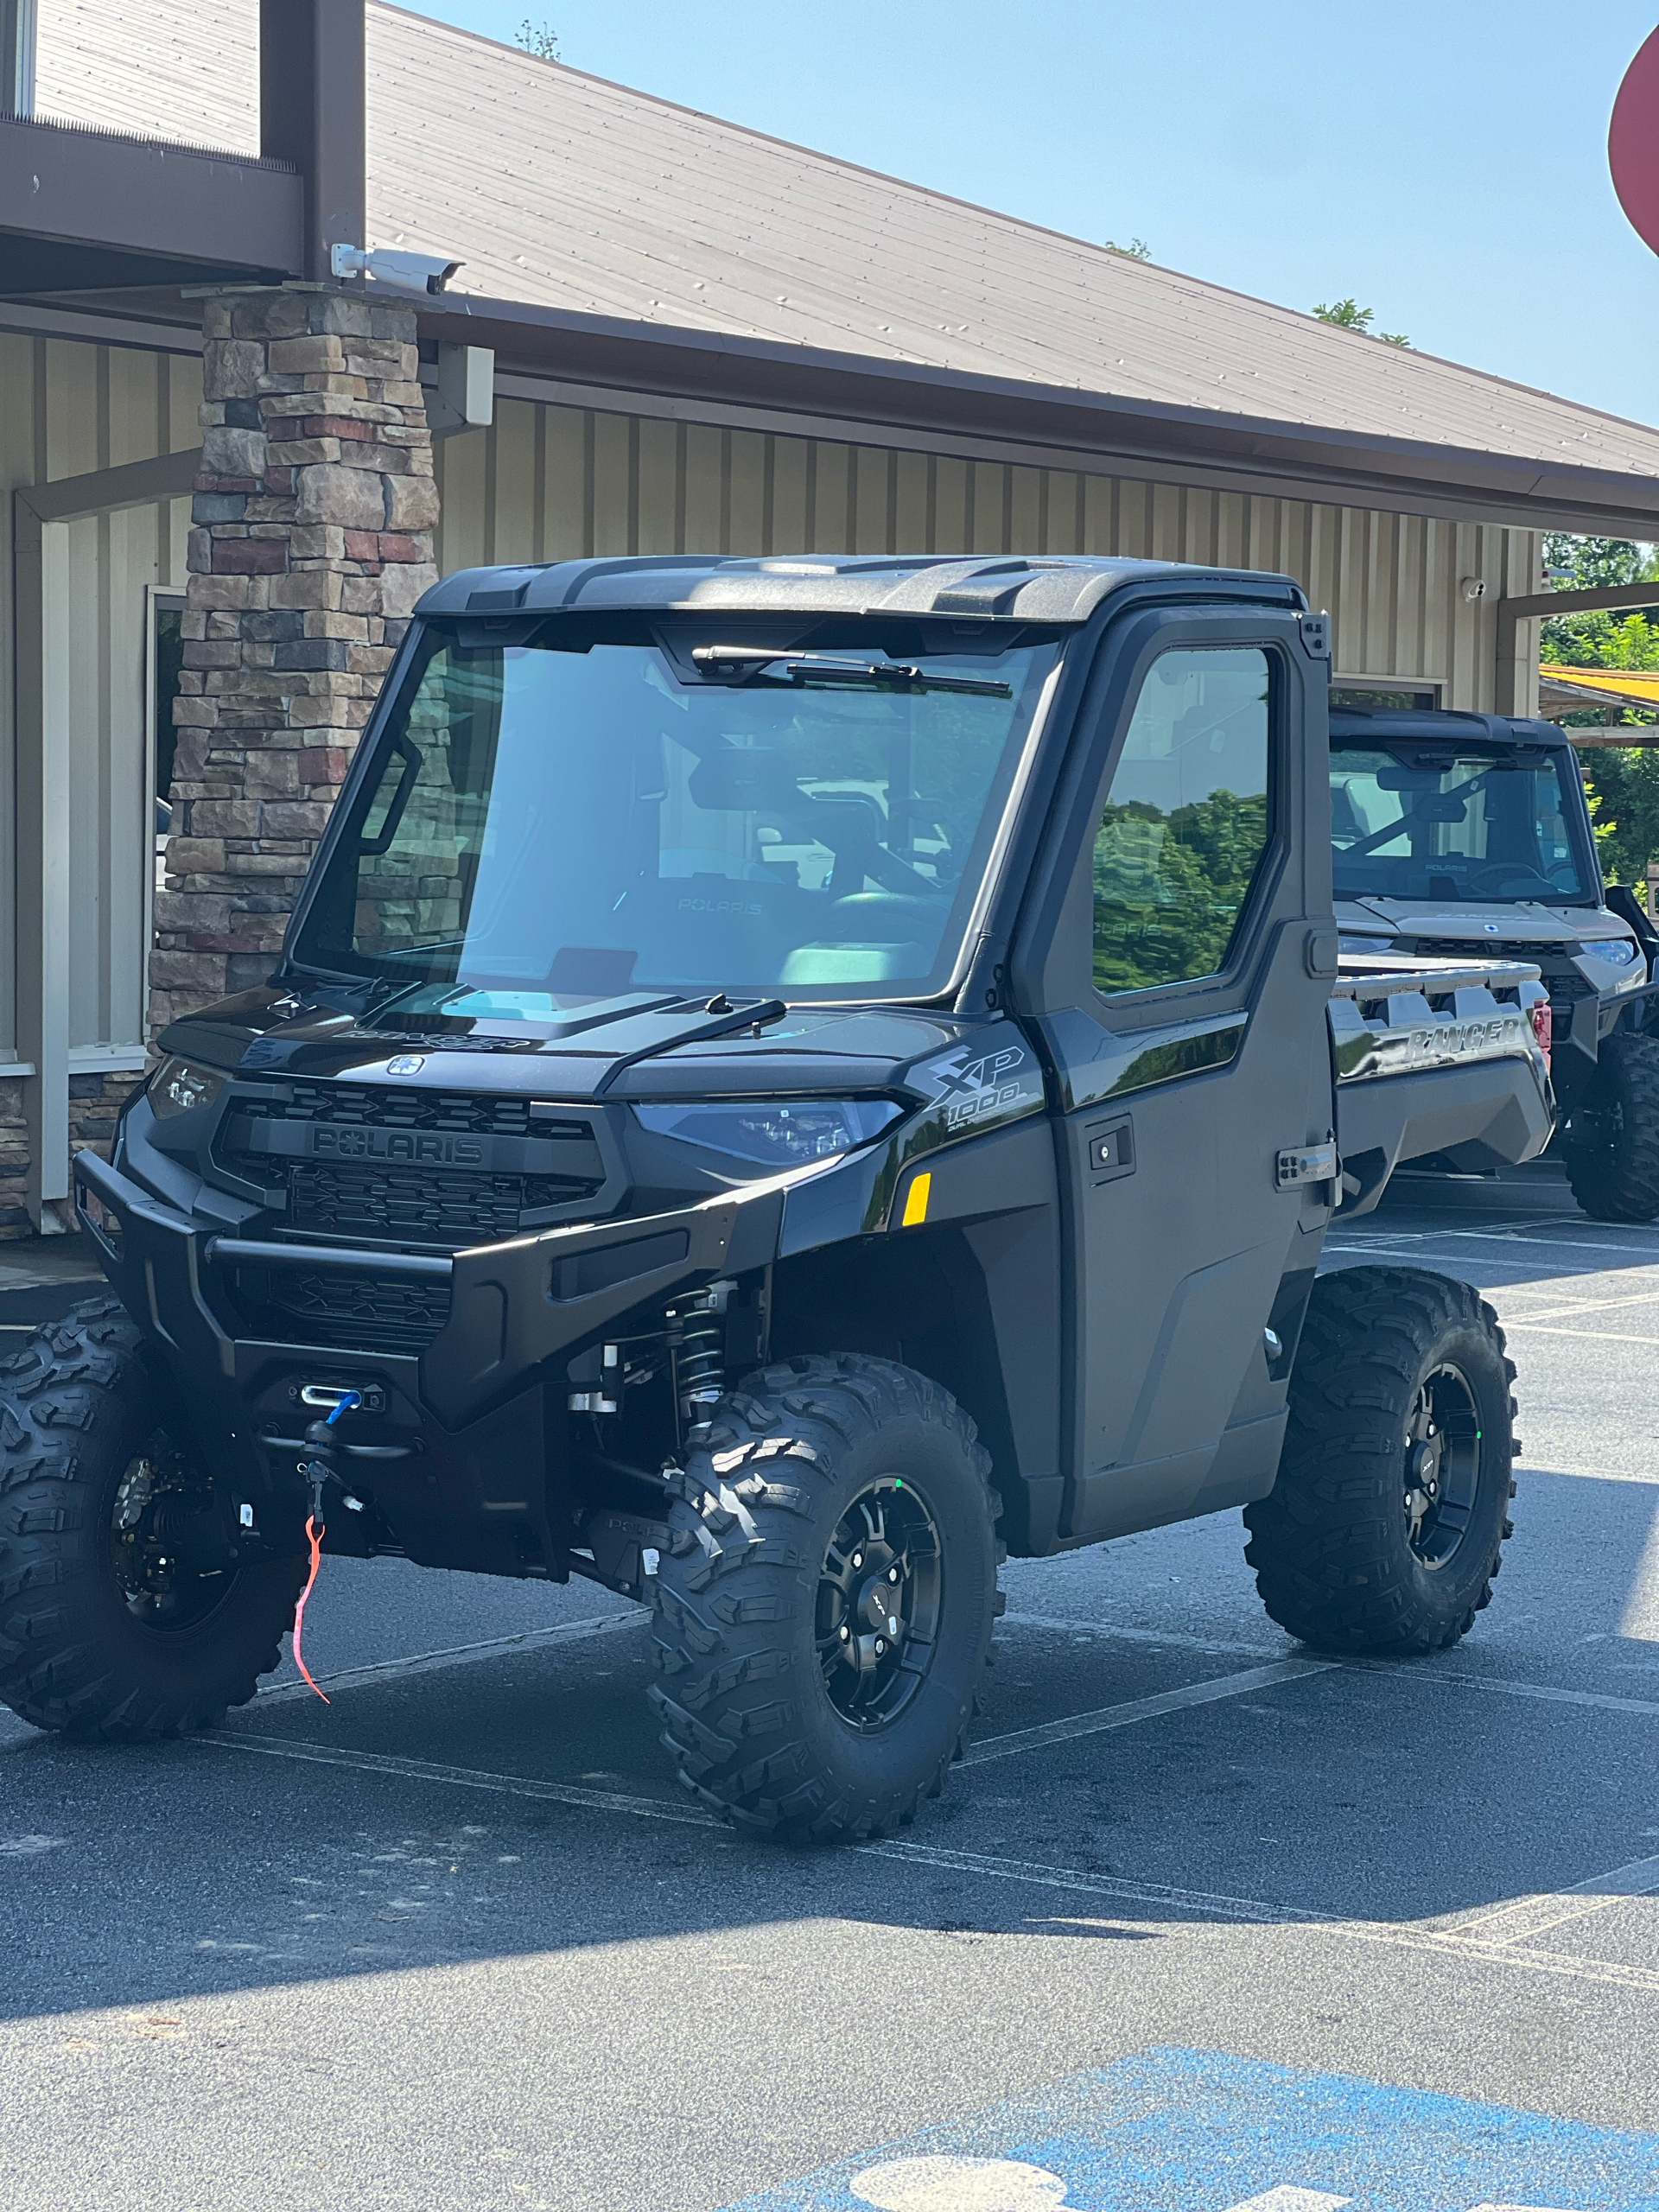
(163,1523)
(1442,1465)
(879,1590)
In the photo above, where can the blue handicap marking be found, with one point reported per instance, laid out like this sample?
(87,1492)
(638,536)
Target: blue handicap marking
(1196,2131)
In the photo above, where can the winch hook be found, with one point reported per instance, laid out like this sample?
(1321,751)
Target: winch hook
(319,1471)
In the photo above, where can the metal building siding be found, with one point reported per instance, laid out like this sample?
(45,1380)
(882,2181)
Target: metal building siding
(67,408)
(546,482)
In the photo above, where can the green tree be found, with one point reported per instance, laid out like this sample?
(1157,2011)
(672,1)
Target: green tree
(539,39)
(1136,250)
(1348,314)
(1585,564)
(1169,888)
(1624,792)
(1622,783)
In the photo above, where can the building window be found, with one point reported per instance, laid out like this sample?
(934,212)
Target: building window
(1385,694)
(1186,822)
(166,659)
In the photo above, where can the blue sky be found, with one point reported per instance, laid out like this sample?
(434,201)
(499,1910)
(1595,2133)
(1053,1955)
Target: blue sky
(1445,161)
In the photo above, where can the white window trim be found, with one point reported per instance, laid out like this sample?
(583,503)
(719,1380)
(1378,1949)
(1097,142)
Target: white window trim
(155,596)
(1371,682)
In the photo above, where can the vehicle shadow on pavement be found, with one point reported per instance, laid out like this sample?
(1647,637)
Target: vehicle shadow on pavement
(521,1806)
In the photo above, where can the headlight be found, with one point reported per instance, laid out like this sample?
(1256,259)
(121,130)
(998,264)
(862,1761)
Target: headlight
(179,1086)
(1378,944)
(772,1132)
(1620,951)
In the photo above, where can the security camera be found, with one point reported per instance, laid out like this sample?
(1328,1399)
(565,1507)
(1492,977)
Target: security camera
(412,271)
(1474,587)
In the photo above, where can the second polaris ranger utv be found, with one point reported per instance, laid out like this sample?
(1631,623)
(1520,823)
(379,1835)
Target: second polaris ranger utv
(787,1077)
(1464,836)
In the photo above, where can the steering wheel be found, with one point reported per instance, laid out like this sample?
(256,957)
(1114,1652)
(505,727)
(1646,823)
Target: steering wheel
(1507,875)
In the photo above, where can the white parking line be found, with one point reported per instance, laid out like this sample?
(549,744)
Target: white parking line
(458,1778)
(1493,1231)
(1171,1639)
(1428,1673)
(1209,1903)
(1590,1305)
(1533,1916)
(1403,1936)
(1432,1676)
(1584,1336)
(1526,1233)
(1530,1915)
(459,1654)
(1143,1708)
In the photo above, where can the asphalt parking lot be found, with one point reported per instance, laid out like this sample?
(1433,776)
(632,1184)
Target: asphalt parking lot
(1203,1922)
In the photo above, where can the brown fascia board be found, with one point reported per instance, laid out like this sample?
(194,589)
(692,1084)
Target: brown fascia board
(174,203)
(1143,438)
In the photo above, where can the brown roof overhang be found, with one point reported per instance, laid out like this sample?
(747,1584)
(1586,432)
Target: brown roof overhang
(886,401)
(85,210)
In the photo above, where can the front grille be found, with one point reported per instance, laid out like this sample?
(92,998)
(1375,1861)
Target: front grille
(416,1205)
(1457,948)
(1564,982)
(365,1192)
(370,1105)
(367,1313)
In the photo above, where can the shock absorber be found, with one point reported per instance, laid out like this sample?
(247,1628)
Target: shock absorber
(696,1344)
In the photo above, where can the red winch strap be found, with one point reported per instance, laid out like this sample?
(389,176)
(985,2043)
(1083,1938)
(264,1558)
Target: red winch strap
(315,1534)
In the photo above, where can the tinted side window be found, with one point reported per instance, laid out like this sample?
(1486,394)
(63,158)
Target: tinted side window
(1186,821)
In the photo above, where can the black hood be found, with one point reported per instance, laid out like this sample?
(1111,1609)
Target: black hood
(651,1045)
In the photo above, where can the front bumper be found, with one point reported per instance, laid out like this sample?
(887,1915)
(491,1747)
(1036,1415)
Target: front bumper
(458,1447)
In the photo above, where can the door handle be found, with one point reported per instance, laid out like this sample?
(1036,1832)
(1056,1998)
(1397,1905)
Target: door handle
(1111,1151)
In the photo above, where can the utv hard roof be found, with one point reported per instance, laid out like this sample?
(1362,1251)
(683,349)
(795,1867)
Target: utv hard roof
(990,587)
(1441,725)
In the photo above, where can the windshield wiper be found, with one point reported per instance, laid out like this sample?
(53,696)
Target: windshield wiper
(737,663)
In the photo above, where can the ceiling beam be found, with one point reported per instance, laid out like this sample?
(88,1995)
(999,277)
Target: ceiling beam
(73,199)
(312,89)
(1591,600)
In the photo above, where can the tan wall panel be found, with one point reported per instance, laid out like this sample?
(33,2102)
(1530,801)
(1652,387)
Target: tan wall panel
(745,523)
(613,521)
(67,410)
(913,507)
(951,504)
(660,490)
(607,483)
(513,479)
(702,530)
(789,480)
(831,519)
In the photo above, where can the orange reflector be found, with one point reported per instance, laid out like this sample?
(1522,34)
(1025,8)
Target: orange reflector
(916,1201)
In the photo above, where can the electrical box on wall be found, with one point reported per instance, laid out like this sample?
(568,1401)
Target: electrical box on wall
(465,395)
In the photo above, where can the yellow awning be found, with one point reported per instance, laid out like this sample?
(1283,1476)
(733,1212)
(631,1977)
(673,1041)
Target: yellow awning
(1622,684)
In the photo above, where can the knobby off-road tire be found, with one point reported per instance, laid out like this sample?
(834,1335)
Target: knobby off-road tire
(833,1497)
(1611,1146)
(1385,1527)
(84,1459)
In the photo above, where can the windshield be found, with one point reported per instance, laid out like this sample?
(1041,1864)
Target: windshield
(562,822)
(1416,824)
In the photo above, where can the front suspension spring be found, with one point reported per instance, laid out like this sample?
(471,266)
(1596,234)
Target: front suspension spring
(702,1366)
(697,1338)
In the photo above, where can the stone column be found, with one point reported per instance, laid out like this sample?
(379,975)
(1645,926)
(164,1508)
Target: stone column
(312,541)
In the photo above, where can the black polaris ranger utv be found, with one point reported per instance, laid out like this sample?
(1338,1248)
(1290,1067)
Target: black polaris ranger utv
(1463,836)
(786,1077)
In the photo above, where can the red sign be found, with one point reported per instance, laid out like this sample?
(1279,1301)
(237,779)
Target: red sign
(1633,143)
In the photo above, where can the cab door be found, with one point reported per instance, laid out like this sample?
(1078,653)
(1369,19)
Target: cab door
(1182,954)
